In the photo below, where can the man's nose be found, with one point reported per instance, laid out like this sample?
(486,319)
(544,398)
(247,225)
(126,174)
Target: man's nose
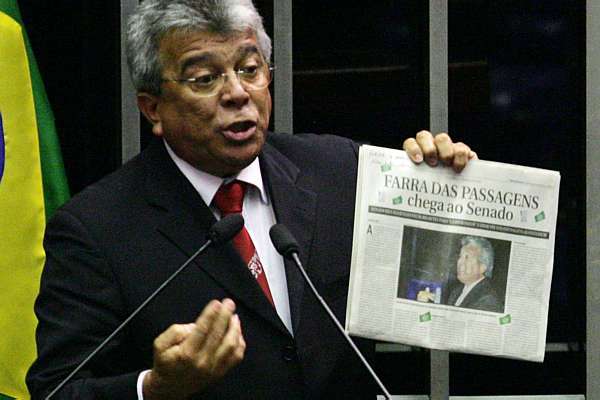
(234,91)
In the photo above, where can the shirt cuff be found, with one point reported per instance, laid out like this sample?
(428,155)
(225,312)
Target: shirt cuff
(140,384)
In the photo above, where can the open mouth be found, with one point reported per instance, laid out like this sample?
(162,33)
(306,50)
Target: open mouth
(241,126)
(239,131)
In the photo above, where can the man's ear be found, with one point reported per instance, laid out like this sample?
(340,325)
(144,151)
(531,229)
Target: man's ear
(148,105)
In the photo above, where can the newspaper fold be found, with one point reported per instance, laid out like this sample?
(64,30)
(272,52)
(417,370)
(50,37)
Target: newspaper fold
(452,261)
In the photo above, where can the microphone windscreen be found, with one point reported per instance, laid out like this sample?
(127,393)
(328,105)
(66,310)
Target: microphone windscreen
(225,229)
(283,240)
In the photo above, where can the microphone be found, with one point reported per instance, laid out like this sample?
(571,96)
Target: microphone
(221,232)
(224,230)
(287,246)
(284,242)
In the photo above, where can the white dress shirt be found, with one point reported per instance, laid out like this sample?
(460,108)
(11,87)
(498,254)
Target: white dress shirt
(258,218)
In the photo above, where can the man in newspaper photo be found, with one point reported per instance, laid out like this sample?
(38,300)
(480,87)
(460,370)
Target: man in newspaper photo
(474,269)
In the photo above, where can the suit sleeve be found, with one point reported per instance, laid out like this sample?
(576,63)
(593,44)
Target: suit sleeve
(78,306)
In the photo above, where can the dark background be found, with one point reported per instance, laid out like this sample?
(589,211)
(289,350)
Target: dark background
(516,94)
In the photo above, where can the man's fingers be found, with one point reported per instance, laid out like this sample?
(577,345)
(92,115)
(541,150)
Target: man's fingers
(411,147)
(210,328)
(426,142)
(173,336)
(445,148)
(425,146)
(167,344)
(202,327)
(219,328)
(462,152)
(232,348)
(188,357)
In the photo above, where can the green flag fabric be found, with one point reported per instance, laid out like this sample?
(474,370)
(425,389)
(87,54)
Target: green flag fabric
(56,188)
(32,186)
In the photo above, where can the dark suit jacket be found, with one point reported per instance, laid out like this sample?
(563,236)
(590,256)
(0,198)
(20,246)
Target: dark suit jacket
(482,297)
(118,240)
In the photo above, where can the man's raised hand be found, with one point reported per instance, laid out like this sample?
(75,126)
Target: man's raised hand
(189,357)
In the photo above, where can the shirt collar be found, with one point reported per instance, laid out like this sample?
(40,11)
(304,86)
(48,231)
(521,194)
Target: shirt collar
(207,185)
(467,288)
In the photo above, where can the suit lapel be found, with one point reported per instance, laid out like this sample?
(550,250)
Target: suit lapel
(294,207)
(186,222)
(475,294)
(456,290)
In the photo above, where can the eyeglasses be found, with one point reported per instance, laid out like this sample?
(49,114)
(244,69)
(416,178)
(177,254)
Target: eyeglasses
(251,78)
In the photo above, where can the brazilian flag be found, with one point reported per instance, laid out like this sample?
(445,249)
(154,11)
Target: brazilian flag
(32,186)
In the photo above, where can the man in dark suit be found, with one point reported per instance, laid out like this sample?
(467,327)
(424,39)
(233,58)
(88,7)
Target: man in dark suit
(202,74)
(474,269)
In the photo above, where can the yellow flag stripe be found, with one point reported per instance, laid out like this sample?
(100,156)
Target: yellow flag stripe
(21,213)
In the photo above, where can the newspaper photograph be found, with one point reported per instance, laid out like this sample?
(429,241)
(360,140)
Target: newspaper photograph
(452,261)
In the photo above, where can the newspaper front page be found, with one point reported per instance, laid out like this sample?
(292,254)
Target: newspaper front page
(452,261)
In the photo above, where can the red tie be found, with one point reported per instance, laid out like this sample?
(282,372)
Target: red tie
(229,199)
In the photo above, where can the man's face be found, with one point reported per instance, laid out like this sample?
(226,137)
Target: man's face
(220,134)
(468,267)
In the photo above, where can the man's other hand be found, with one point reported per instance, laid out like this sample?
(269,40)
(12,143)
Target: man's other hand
(189,357)
(425,296)
(424,146)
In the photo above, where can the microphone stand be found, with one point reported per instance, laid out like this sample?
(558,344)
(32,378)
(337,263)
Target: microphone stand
(339,326)
(287,246)
(131,316)
(221,232)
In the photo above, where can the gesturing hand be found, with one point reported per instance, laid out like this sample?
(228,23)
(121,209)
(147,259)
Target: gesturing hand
(189,357)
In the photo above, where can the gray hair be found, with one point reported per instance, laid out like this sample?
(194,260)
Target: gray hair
(486,252)
(153,19)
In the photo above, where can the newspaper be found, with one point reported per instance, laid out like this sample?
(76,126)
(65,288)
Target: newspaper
(452,261)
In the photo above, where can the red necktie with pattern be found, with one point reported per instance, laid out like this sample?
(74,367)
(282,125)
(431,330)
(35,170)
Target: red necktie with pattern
(229,199)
